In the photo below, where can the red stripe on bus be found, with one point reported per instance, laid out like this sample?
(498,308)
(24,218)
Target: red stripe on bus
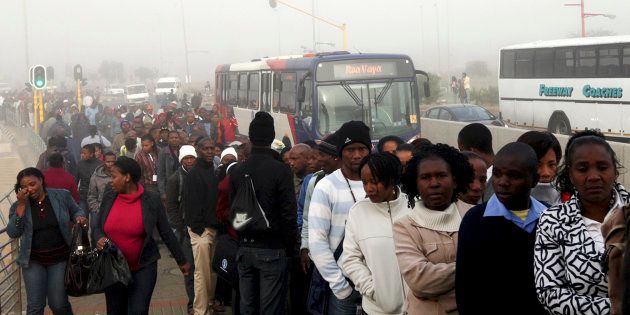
(292,126)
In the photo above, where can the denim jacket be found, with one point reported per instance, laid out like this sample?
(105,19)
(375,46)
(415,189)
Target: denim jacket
(64,207)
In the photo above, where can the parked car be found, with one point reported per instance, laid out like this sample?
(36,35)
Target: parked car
(115,89)
(464,112)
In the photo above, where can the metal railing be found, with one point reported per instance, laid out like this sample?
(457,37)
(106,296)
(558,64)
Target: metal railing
(10,273)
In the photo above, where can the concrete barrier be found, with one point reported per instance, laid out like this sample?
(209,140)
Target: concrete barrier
(441,131)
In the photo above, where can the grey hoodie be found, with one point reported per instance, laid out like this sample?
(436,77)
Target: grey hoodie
(99,182)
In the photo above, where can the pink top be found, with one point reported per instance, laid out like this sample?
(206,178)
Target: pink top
(125,228)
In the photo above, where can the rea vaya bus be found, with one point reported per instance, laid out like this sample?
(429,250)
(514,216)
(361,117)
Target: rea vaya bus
(312,95)
(568,85)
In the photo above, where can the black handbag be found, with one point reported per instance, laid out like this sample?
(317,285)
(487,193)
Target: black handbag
(246,214)
(224,260)
(109,267)
(79,263)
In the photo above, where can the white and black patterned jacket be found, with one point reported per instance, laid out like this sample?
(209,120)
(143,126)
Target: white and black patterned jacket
(568,267)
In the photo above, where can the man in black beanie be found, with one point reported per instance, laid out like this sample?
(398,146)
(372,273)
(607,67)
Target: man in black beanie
(262,257)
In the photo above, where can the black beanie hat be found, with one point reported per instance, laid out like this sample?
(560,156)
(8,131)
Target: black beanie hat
(261,131)
(351,132)
(328,145)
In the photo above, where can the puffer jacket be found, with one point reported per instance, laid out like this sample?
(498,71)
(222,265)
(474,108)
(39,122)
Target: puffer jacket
(273,184)
(98,185)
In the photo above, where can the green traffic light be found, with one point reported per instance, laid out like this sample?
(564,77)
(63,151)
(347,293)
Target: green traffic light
(39,83)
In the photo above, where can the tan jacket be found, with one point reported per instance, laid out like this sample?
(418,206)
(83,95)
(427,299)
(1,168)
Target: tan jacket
(427,262)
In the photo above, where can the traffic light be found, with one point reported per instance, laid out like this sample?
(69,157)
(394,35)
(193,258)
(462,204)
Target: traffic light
(39,77)
(78,72)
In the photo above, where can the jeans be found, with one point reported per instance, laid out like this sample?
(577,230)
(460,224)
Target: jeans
(135,298)
(43,282)
(347,306)
(263,277)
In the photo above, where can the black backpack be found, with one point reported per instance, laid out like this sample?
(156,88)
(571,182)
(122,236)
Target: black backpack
(246,214)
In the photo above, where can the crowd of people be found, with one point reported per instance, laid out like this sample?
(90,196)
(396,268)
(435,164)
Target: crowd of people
(343,228)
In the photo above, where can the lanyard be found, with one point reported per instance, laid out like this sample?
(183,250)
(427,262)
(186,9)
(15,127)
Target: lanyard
(348,182)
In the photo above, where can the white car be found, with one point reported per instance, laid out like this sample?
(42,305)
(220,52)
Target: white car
(115,89)
(137,93)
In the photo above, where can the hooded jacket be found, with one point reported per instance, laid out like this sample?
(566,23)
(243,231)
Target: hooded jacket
(369,257)
(98,184)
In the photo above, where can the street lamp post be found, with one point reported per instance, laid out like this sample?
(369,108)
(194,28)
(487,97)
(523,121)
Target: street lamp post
(342,27)
(188,79)
(584,15)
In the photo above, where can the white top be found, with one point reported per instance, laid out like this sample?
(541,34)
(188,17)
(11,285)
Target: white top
(594,229)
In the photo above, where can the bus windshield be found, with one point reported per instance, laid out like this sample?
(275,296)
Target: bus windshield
(387,107)
(136,89)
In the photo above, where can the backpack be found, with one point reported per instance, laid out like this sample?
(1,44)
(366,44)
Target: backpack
(246,214)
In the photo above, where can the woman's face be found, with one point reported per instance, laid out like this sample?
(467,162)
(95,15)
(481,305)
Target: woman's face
(593,173)
(477,188)
(119,181)
(33,185)
(375,189)
(435,183)
(547,167)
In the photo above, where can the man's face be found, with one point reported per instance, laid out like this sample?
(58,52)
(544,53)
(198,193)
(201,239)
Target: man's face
(352,154)
(147,146)
(125,127)
(149,109)
(108,163)
(512,182)
(206,151)
(327,162)
(173,139)
(164,135)
(217,151)
(298,160)
(132,134)
(86,154)
(188,162)
(190,117)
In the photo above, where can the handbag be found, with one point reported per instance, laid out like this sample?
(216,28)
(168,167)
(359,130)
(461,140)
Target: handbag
(79,263)
(109,267)
(246,214)
(224,260)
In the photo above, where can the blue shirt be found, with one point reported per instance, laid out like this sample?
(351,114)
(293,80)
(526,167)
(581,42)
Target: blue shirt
(301,199)
(495,208)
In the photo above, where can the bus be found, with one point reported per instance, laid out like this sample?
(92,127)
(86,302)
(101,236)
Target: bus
(568,85)
(312,95)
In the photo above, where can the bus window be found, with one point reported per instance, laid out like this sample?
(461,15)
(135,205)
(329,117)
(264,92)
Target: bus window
(233,93)
(252,98)
(586,62)
(288,93)
(524,63)
(266,91)
(543,63)
(609,62)
(563,65)
(626,62)
(507,64)
(277,86)
(242,90)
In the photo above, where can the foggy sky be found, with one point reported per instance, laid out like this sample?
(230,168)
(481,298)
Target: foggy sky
(149,33)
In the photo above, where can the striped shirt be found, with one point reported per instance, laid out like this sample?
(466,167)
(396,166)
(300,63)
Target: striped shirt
(327,215)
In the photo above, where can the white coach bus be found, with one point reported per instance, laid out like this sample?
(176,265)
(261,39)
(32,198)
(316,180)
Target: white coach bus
(568,85)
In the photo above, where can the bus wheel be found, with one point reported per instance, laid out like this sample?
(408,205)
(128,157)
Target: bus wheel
(559,124)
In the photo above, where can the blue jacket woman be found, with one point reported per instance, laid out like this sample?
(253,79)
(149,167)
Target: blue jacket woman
(41,219)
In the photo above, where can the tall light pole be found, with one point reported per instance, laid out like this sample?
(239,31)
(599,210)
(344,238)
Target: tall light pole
(437,19)
(313,20)
(342,27)
(26,57)
(584,15)
(188,78)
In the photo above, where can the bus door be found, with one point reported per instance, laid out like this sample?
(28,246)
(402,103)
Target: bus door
(304,116)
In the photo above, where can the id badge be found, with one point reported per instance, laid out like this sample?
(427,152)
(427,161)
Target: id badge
(155,178)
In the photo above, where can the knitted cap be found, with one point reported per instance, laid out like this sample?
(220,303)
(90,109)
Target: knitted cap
(328,145)
(229,151)
(187,150)
(261,130)
(353,132)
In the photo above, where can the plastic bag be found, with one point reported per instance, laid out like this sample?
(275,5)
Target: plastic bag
(79,263)
(109,267)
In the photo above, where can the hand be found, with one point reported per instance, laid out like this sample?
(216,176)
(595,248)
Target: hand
(101,243)
(22,195)
(82,220)
(305,261)
(185,268)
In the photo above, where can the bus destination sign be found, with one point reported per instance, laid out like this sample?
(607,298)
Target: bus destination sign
(364,70)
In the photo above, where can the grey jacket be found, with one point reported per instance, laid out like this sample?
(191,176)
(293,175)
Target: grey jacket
(167,165)
(98,184)
(64,207)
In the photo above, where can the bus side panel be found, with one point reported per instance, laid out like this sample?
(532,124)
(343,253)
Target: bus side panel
(244,117)
(609,119)
(283,127)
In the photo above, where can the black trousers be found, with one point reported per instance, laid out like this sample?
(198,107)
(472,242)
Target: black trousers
(263,277)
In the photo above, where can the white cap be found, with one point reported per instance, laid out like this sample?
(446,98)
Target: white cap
(186,150)
(229,151)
